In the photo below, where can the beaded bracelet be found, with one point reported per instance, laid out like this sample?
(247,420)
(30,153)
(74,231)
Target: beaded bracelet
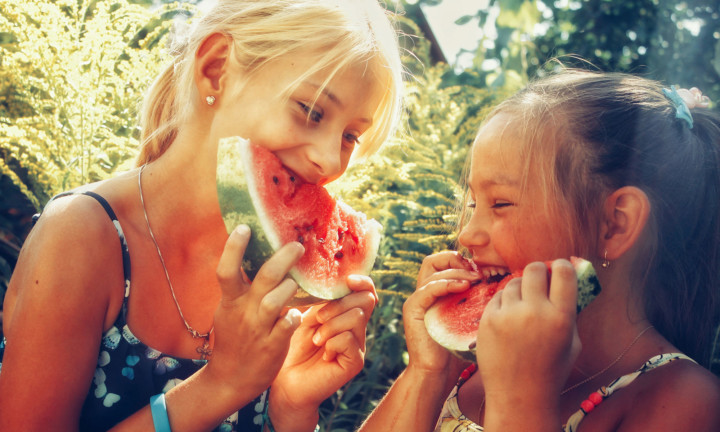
(158,409)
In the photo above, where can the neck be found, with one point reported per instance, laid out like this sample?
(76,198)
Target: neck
(180,192)
(608,325)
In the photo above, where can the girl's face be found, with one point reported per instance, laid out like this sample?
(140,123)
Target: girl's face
(314,141)
(508,227)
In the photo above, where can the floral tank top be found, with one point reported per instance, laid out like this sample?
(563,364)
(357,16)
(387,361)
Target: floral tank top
(128,372)
(453,420)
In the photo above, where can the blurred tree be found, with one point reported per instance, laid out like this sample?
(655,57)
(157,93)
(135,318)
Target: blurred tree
(673,42)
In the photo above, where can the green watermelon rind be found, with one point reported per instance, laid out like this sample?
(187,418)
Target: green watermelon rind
(464,347)
(237,195)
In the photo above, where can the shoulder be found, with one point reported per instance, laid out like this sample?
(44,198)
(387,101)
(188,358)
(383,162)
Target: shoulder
(679,396)
(68,258)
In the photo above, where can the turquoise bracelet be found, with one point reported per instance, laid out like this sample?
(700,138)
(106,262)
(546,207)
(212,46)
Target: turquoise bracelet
(158,409)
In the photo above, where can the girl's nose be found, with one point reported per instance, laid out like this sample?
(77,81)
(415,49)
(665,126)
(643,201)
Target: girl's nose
(473,233)
(326,158)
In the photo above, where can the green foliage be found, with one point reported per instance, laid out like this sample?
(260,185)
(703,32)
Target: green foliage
(68,104)
(674,42)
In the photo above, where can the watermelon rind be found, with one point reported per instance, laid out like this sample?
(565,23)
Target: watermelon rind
(464,347)
(237,194)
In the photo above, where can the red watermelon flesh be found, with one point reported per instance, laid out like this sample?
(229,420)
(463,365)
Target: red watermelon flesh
(453,320)
(338,240)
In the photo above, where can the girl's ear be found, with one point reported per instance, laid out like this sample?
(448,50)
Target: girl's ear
(626,214)
(211,64)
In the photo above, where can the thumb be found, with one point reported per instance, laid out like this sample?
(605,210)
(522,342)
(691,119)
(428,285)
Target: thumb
(230,275)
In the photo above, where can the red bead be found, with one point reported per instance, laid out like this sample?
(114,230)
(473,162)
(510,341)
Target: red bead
(595,398)
(469,371)
(587,406)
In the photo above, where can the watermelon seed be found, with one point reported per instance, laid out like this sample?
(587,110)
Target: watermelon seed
(292,179)
(300,239)
(276,180)
(339,255)
(472,345)
(462,300)
(321,240)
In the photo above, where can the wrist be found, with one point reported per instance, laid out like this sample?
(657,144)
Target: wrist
(285,416)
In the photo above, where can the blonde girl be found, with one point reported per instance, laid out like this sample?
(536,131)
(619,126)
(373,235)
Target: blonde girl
(128,309)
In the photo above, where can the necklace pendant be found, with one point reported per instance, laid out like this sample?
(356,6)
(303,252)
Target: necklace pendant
(204,350)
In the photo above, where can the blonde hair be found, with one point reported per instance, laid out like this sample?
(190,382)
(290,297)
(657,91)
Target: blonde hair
(341,33)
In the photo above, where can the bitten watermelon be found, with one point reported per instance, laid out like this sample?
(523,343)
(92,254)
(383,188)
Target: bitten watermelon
(254,188)
(452,321)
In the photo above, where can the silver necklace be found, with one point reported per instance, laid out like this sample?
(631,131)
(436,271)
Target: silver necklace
(203,350)
(612,363)
(602,371)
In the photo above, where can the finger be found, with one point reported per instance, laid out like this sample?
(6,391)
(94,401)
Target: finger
(563,286)
(512,292)
(424,297)
(229,270)
(346,351)
(276,268)
(284,328)
(362,283)
(364,300)
(442,261)
(449,274)
(272,304)
(535,282)
(353,320)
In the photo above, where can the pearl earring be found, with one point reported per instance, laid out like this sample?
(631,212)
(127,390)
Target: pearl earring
(210,100)
(605,263)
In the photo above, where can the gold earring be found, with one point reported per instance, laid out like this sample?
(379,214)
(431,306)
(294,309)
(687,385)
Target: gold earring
(210,100)
(605,263)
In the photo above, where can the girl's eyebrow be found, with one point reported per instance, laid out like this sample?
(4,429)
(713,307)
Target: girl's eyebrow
(497,180)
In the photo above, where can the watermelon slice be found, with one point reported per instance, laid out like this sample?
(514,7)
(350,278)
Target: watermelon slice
(254,188)
(452,321)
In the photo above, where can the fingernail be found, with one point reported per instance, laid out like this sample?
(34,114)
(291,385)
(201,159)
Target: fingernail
(294,317)
(317,338)
(242,230)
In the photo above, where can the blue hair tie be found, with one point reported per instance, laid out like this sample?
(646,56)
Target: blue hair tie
(681,109)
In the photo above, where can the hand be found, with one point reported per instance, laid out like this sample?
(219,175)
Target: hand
(326,351)
(440,274)
(252,334)
(527,340)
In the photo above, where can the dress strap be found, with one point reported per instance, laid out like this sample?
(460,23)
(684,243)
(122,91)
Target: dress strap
(116,223)
(604,392)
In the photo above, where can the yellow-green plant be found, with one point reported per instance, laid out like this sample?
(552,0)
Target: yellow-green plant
(72,75)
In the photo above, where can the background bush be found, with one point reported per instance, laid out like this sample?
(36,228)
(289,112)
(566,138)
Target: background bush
(72,73)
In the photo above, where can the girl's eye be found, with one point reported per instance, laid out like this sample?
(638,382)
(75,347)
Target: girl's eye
(501,204)
(351,139)
(313,115)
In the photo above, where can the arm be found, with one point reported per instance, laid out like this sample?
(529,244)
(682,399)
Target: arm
(55,313)
(60,294)
(416,398)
